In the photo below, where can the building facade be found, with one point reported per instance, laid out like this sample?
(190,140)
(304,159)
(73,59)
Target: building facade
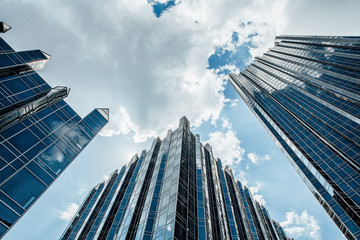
(306,93)
(40,134)
(175,190)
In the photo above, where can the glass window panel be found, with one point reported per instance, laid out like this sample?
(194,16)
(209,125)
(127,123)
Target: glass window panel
(17,164)
(47,169)
(99,117)
(23,188)
(7,133)
(68,109)
(43,113)
(24,140)
(39,81)
(6,155)
(2,163)
(25,95)
(4,46)
(91,124)
(40,173)
(5,60)
(78,137)
(11,203)
(55,159)
(37,131)
(66,149)
(86,129)
(53,121)
(35,150)
(8,217)
(5,173)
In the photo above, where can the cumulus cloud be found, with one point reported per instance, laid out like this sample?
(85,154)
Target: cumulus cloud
(69,212)
(82,191)
(120,123)
(226,67)
(148,81)
(256,159)
(234,103)
(226,146)
(301,226)
(119,60)
(106,175)
(254,190)
(225,123)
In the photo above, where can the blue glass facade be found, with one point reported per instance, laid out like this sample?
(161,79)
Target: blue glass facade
(306,93)
(40,134)
(175,190)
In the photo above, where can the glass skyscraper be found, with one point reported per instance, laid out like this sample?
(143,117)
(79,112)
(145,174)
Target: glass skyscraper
(306,93)
(40,134)
(175,190)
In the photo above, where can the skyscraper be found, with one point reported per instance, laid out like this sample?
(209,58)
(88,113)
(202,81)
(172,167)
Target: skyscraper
(40,134)
(306,93)
(175,190)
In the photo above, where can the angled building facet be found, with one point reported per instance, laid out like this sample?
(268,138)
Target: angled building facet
(306,93)
(40,134)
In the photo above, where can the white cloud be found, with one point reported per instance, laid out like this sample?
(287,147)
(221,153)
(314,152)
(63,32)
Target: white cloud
(234,103)
(106,175)
(254,190)
(256,159)
(226,146)
(121,124)
(242,176)
(301,226)
(69,212)
(226,123)
(82,191)
(119,60)
(229,67)
(147,81)
(53,155)
(260,199)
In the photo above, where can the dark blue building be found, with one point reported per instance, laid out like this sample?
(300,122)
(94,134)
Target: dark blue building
(40,134)
(175,190)
(306,93)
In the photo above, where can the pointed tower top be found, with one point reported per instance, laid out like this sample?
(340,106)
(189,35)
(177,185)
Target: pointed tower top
(48,56)
(184,122)
(104,112)
(4,27)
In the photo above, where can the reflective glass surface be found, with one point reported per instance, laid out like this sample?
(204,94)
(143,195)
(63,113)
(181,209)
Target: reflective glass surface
(175,190)
(40,134)
(306,93)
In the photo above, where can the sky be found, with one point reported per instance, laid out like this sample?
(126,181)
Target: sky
(152,62)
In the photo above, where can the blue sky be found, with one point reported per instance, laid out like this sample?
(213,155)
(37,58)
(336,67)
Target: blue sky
(160,7)
(152,62)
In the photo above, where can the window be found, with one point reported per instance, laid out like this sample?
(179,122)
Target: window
(23,188)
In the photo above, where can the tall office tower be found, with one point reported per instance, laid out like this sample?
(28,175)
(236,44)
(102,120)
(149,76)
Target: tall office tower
(306,93)
(40,135)
(175,190)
